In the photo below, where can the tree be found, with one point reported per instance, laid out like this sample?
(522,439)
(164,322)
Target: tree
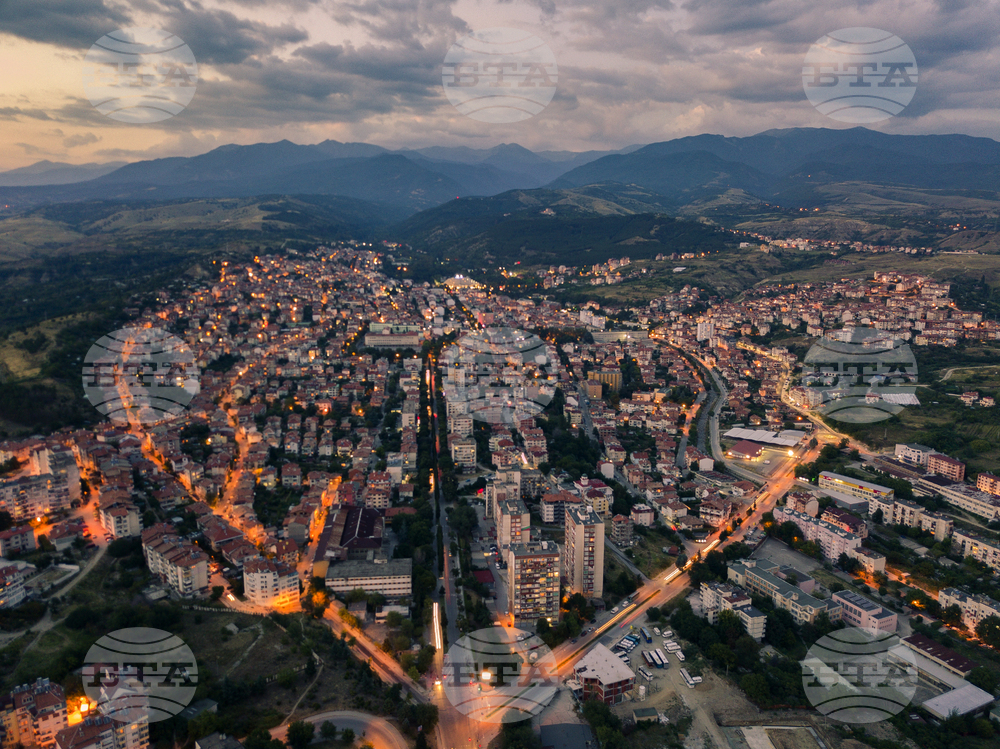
(756,688)
(984,678)
(347,736)
(988,630)
(328,730)
(952,616)
(260,738)
(217,591)
(300,734)
(681,561)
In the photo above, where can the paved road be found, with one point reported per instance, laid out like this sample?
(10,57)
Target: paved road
(366,727)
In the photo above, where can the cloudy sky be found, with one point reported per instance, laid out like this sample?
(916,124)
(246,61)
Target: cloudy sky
(629,71)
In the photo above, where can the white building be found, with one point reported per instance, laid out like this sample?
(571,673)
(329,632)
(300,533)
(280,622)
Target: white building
(270,584)
(392,578)
(975,608)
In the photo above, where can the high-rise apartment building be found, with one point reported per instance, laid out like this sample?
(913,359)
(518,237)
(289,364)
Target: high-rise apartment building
(533,582)
(584,551)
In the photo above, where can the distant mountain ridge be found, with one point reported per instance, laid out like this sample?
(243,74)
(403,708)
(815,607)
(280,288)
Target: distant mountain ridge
(791,167)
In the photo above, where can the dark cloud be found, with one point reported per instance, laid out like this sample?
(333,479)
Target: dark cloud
(84,139)
(77,24)
(218,37)
(16,113)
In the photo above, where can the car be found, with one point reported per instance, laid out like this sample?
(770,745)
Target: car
(656,631)
(614,610)
(575,639)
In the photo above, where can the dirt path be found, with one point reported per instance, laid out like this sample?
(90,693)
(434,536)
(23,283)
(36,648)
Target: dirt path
(948,372)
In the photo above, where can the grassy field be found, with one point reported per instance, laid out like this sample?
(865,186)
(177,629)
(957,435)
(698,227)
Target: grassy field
(647,553)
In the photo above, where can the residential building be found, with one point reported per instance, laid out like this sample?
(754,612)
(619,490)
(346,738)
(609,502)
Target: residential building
(612,377)
(761,576)
(533,582)
(970,544)
(716,597)
(103,732)
(833,540)
(553,506)
(859,612)
(621,531)
(584,552)
(942,465)
(845,521)
(463,452)
(181,565)
(513,522)
(270,584)
(604,676)
(12,577)
(393,578)
(643,514)
(17,540)
(975,608)
(715,512)
(802,502)
(32,715)
(120,518)
(970,499)
(988,483)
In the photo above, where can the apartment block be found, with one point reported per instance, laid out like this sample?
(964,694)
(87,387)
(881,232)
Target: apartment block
(912,515)
(553,506)
(181,565)
(621,531)
(760,576)
(120,518)
(533,582)
(102,732)
(717,597)
(970,544)
(975,608)
(12,577)
(584,552)
(513,522)
(859,612)
(988,483)
(463,451)
(833,541)
(643,514)
(17,540)
(32,715)
(845,521)
(27,497)
(270,584)
(802,502)
(942,465)
(972,500)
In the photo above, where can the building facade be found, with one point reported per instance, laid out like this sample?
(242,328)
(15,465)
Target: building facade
(270,584)
(859,612)
(584,552)
(533,582)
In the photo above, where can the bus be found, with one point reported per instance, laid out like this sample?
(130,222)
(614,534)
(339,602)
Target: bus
(645,635)
(629,599)
(645,674)
(649,659)
(687,678)
(657,660)
(662,657)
